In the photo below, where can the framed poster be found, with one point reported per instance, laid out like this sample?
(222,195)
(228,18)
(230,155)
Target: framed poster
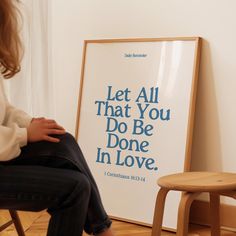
(135,119)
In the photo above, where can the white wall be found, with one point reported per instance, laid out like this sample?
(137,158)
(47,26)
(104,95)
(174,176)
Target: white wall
(214,145)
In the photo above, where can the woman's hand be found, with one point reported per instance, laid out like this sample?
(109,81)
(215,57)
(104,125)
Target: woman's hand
(41,129)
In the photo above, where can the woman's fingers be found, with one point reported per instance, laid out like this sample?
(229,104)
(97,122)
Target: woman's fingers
(55,131)
(54,126)
(51,139)
(41,129)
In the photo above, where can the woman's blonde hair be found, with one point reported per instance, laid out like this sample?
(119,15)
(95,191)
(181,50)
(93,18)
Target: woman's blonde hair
(10,43)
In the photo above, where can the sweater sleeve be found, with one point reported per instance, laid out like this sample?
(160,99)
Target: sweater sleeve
(11,140)
(14,115)
(13,132)
(13,129)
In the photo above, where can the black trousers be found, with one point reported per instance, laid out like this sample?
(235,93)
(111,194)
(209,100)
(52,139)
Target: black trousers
(56,177)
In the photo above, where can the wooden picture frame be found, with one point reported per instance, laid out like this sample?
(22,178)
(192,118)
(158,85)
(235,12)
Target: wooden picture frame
(135,119)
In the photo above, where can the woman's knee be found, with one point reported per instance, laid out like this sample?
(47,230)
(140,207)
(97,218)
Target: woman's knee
(84,184)
(81,192)
(67,137)
(75,191)
(63,148)
(80,183)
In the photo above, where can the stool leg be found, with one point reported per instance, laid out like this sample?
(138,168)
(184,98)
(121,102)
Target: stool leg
(17,223)
(159,211)
(215,214)
(183,213)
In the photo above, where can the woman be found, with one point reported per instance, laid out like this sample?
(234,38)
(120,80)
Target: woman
(41,166)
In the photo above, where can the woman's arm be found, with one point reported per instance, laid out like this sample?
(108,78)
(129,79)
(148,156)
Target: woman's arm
(13,137)
(13,128)
(11,140)
(18,128)
(14,115)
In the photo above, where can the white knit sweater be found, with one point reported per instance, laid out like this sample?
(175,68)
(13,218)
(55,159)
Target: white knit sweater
(13,124)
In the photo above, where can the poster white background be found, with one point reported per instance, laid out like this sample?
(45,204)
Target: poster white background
(132,66)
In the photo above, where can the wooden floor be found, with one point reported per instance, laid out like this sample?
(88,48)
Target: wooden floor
(35,224)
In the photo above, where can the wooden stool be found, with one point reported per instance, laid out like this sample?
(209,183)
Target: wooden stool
(16,221)
(192,184)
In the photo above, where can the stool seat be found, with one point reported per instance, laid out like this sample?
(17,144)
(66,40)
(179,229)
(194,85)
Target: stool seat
(191,184)
(199,181)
